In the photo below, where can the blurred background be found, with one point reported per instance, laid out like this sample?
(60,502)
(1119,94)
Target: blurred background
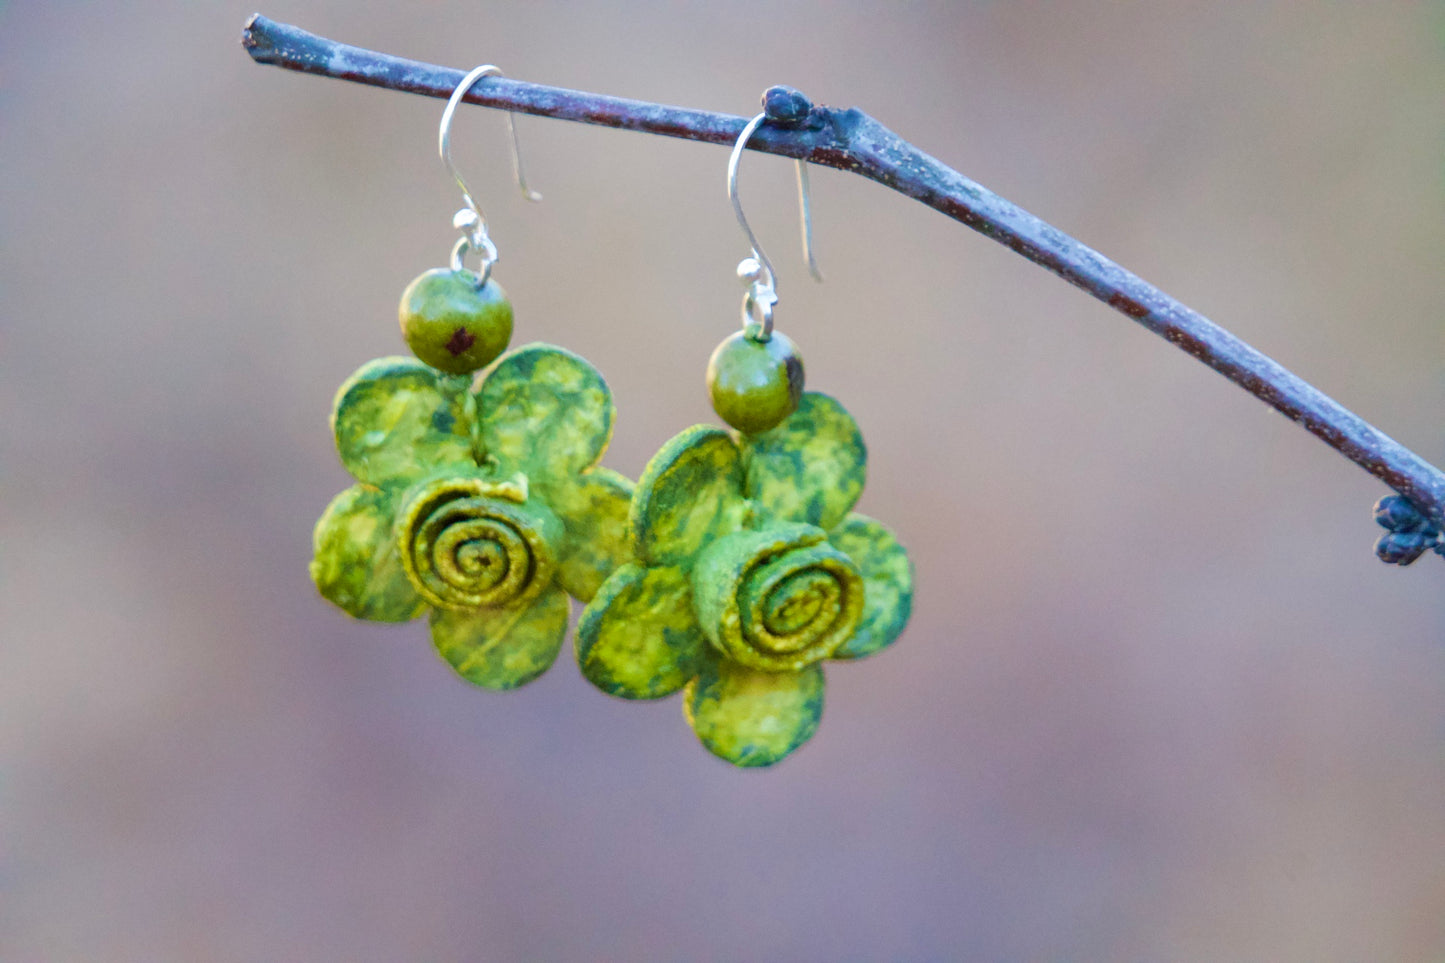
(1158,700)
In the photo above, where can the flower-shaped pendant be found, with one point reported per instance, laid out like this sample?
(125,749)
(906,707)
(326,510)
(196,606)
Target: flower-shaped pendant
(750,571)
(485,506)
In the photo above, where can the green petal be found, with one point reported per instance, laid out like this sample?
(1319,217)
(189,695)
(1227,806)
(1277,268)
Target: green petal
(396,420)
(503,648)
(638,638)
(753,718)
(689,494)
(545,411)
(356,565)
(811,467)
(593,509)
(887,583)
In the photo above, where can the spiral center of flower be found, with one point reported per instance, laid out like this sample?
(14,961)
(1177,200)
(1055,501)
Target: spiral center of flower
(482,558)
(778,599)
(466,550)
(796,602)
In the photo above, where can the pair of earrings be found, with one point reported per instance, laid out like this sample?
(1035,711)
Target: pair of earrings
(731,569)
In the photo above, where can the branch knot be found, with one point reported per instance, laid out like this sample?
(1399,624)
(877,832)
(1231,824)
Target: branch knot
(787,107)
(1409,534)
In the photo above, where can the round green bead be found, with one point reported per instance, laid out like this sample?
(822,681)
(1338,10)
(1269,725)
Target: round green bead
(755,384)
(452,324)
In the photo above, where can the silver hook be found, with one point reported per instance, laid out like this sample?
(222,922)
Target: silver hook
(470,220)
(757,270)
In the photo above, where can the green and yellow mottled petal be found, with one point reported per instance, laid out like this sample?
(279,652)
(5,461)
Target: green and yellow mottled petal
(593,508)
(396,419)
(753,718)
(689,494)
(638,638)
(811,467)
(355,564)
(503,648)
(887,584)
(545,411)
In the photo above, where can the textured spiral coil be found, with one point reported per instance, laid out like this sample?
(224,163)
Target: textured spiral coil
(465,549)
(777,600)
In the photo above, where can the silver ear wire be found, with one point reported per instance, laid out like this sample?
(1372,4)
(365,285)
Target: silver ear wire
(757,270)
(470,220)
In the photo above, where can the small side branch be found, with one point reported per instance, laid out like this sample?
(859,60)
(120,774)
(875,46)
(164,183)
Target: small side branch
(850,140)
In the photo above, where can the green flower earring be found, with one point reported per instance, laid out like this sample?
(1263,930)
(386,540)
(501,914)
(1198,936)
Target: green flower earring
(478,501)
(750,569)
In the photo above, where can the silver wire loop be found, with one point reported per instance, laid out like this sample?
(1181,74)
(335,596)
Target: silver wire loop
(470,220)
(757,271)
(758,302)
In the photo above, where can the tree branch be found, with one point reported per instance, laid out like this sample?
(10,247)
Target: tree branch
(850,140)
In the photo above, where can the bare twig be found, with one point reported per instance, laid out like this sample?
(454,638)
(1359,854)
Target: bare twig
(850,140)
